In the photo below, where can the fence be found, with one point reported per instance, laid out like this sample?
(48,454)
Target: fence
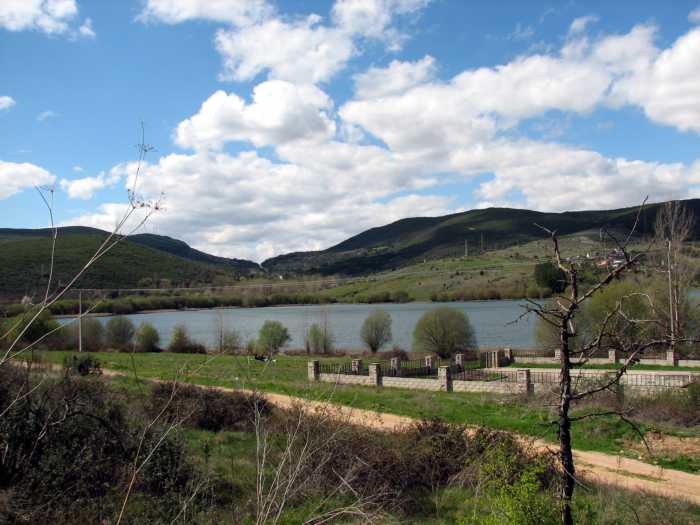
(480,374)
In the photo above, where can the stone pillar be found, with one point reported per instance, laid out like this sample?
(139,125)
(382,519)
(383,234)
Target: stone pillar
(445,378)
(459,360)
(314,370)
(395,366)
(356,366)
(523,378)
(612,356)
(375,374)
(672,358)
(509,354)
(429,362)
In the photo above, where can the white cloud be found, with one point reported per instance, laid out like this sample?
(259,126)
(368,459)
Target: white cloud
(396,78)
(48,16)
(44,115)
(236,12)
(373,18)
(579,24)
(86,30)
(14,177)
(280,112)
(668,85)
(77,169)
(522,32)
(6,102)
(694,16)
(302,51)
(86,187)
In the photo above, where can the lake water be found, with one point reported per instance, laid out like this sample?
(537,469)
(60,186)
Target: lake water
(490,319)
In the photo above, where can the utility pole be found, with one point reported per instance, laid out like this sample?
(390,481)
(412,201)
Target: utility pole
(466,248)
(80,321)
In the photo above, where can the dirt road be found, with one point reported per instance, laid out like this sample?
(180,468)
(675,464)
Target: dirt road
(595,466)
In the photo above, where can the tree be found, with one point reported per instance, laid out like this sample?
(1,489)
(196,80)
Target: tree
(273,335)
(120,332)
(376,330)
(444,331)
(320,339)
(547,275)
(610,332)
(674,226)
(147,338)
(182,344)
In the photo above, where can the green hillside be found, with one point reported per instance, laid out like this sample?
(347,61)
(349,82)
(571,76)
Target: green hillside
(416,239)
(184,250)
(25,261)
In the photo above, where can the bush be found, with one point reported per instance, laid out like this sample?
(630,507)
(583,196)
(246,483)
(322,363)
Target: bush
(444,331)
(548,275)
(82,365)
(230,342)
(376,330)
(39,328)
(182,344)
(320,339)
(273,335)
(147,338)
(207,409)
(92,332)
(119,333)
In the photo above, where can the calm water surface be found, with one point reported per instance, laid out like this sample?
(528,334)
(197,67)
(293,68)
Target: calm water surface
(492,321)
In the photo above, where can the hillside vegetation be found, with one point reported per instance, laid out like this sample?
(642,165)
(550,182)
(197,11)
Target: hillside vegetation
(25,257)
(427,238)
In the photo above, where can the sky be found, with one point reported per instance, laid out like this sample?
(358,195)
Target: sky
(281,126)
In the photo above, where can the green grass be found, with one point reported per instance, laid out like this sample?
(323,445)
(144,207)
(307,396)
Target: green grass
(288,376)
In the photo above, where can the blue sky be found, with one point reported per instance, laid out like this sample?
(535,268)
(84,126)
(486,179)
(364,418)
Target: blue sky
(282,126)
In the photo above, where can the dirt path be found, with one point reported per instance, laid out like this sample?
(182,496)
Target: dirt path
(594,466)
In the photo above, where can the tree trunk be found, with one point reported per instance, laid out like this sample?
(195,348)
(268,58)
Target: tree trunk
(565,454)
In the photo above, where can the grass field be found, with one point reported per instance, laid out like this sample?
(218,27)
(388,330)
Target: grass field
(288,375)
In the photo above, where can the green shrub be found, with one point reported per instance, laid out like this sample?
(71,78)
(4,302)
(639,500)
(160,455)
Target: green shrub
(82,365)
(119,333)
(444,331)
(273,335)
(147,338)
(320,339)
(376,330)
(182,344)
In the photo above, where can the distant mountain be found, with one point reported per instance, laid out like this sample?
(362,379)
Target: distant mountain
(413,239)
(184,250)
(140,261)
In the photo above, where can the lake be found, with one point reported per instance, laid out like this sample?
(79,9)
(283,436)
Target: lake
(491,320)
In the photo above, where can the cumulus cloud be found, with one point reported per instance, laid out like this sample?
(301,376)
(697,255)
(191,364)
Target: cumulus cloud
(6,102)
(53,17)
(280,112)
(236,12)
(694,16)
(14,177)
(396,78)
(86,187)
(301,51)
(579,24)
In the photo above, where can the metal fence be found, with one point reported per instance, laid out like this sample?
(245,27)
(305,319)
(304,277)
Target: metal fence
(532,353)
(412,368)
(344,369)
(480,374)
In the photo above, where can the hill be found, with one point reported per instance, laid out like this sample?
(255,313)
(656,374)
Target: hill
(423,238)
(25,262)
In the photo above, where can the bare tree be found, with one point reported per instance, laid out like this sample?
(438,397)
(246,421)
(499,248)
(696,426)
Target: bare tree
(675,225)
(609,335)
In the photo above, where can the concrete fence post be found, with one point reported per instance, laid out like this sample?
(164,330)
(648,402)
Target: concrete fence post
(612,356)
(459,360)
(314,369)
(509,354)
(671,358)
(375,374)
(356,366)
(523,379)
(557,355)
(445,378)
(429,362)
(395,366)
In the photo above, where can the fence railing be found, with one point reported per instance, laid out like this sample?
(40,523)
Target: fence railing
(532,353)
(411,368)
(479,374)
(344,369)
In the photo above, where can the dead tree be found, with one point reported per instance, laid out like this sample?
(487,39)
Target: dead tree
(611,334)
